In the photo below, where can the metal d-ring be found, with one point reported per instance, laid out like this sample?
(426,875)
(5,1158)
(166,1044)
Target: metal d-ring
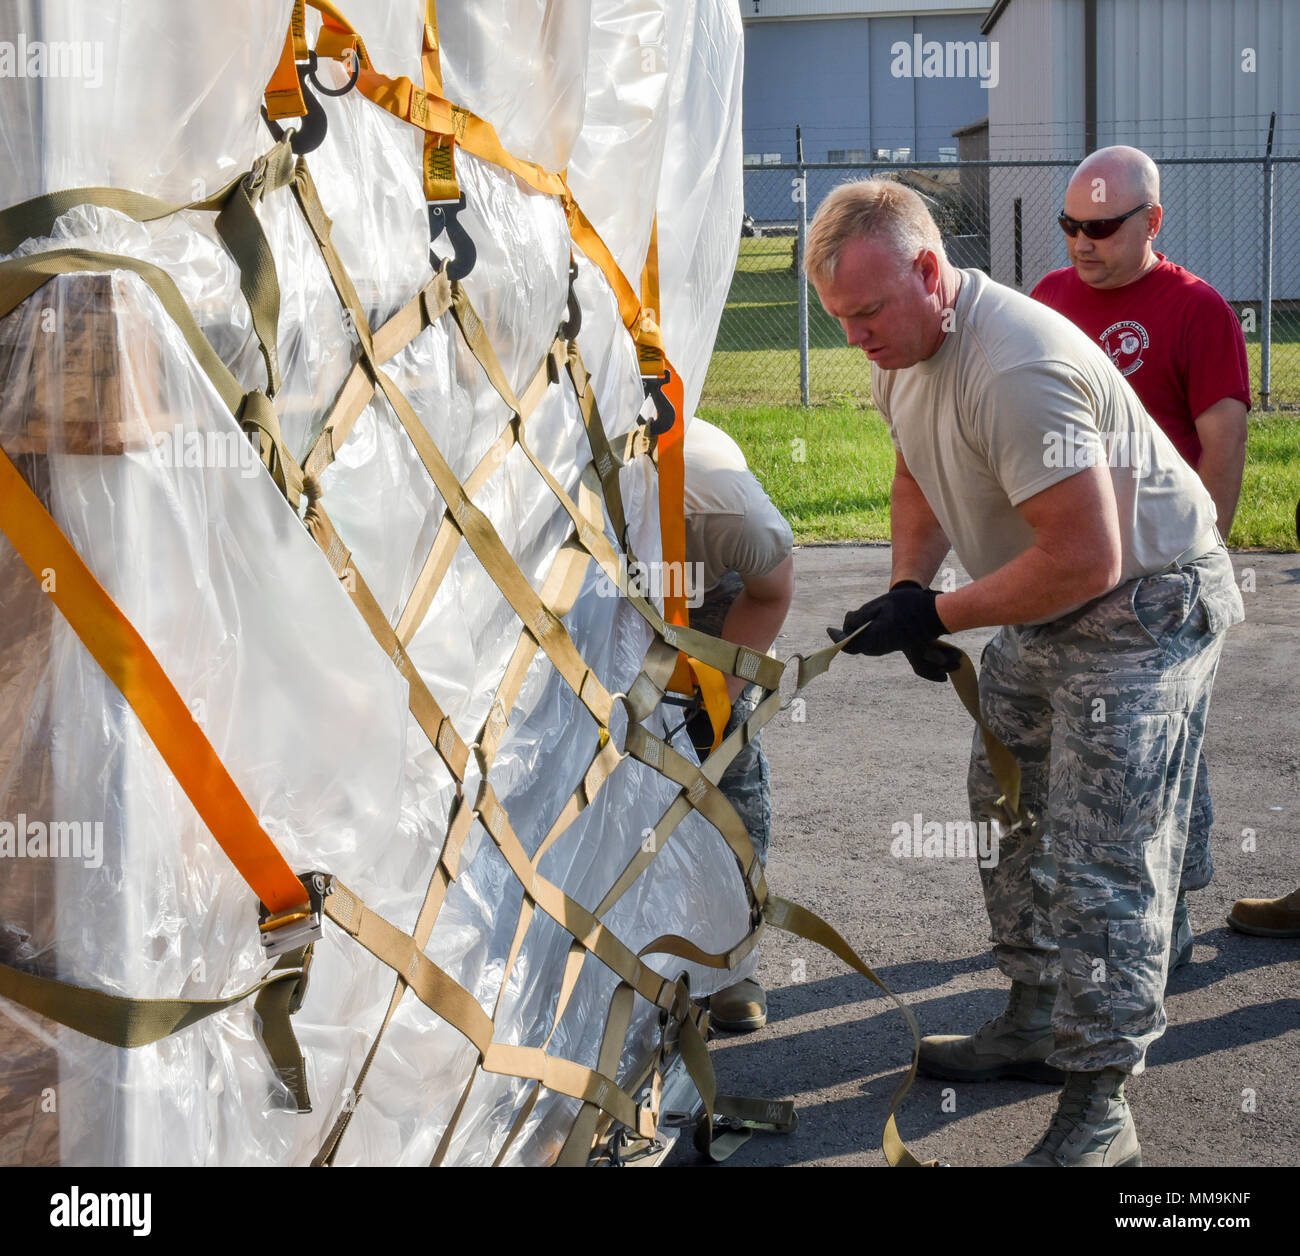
(353,75)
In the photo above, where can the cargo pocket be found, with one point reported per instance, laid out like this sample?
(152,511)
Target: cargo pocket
(1162,603)
(1152,741)
(1135,983)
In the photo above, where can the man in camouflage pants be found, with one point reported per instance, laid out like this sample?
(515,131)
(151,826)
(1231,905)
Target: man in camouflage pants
(1092,543)
(742,548)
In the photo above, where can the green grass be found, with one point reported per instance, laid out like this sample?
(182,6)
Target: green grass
(839,491)
(756,357)
(1270,488)
(835,485)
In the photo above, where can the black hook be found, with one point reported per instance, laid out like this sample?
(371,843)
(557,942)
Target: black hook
(310,133)
(665,415)
(309,136)
(445,215)
(573,322)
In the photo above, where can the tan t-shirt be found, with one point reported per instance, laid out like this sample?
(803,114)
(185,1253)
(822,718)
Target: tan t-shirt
(1017,399)
(731,525)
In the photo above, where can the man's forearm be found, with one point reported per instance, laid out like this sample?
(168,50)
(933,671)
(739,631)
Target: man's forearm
(1221,472)
(1033,585)
(919,543)
(756,616)
(1222,431)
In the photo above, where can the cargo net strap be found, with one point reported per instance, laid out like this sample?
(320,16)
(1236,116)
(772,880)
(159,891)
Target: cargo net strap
(606,1105)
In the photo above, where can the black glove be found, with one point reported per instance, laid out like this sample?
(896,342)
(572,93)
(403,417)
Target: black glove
(699,728)
(903,619)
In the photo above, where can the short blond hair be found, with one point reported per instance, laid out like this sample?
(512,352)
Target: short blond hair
(866,209)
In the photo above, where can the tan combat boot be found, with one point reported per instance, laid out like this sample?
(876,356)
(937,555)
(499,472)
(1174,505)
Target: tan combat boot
(739,1008)
(1092,1129)
(1015,1044)
(1267,917)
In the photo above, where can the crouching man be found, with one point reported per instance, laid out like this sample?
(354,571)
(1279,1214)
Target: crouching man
(742,547)
(1112,590)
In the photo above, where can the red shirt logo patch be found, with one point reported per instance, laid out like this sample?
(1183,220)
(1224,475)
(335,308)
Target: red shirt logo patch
(1125,343)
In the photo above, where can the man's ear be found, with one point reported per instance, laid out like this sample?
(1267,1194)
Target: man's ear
(928,261)
(1155,217)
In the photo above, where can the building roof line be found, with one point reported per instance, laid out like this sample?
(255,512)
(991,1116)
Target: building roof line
(991,17)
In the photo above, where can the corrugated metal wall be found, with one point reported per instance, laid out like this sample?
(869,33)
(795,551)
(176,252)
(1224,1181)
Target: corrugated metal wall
(834,78)
(1175,78)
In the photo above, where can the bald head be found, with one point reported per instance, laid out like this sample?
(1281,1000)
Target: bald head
(1116,179)
(1112,185)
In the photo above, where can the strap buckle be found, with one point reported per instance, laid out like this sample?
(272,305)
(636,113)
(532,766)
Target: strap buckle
(300,925)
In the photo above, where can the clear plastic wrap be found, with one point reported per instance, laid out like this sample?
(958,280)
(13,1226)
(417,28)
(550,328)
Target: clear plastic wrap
(252,626)
(160,96)
(701,197)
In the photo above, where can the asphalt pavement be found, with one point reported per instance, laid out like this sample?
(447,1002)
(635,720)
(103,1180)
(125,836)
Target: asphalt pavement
(875,746)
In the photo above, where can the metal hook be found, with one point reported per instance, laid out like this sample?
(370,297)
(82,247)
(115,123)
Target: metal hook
(311,134)
(573,321)
(665,415)
(445,215)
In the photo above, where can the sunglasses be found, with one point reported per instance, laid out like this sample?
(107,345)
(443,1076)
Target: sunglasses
(1098,228)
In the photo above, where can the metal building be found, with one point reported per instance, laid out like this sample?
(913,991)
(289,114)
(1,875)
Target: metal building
(849,73)
(1176,78)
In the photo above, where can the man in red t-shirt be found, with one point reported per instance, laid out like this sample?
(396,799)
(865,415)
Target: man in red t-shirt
(1180,346)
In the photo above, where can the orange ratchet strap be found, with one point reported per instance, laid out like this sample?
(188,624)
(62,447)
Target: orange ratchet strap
(128,662)
(284,97)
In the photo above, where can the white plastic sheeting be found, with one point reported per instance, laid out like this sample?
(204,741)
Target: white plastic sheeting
(227,588)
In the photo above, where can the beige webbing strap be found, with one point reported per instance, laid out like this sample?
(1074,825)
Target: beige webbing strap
(274,1005)
(577,1146)
(559,591)
(21,276)
(257,416)
(606,463)
(434,722)
(116,1019)
(438,561)
(792,918)
(461,821)
(576,919)
(965,681)
(1006,771)
(237,224)
(438,991)
(446,998)
(568,983)
(419,313)
(684,948)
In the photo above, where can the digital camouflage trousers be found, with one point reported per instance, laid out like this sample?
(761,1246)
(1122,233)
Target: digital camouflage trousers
(1105,710)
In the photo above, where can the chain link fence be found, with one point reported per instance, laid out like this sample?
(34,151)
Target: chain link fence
(1232,221)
